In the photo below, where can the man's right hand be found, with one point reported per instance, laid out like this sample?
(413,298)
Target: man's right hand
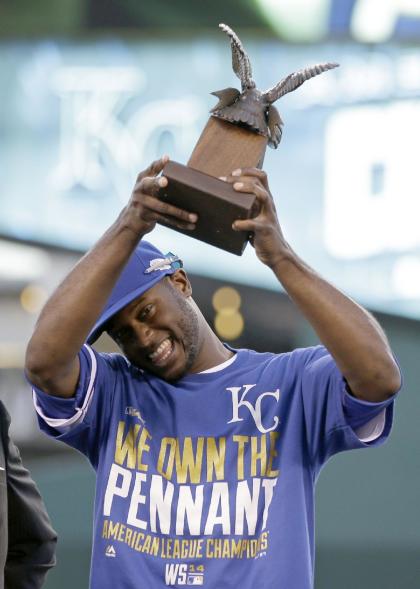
(144,209)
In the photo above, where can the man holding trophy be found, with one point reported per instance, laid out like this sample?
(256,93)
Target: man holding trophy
(206,456)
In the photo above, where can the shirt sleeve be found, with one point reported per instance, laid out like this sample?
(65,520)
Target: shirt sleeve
(372,429)
(81,421)
(335,420)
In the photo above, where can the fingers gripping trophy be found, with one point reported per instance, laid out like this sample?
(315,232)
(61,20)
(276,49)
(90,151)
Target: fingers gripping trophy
(240,127)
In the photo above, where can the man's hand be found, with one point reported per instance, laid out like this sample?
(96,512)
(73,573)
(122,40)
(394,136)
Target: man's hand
(264,228)
(144,209)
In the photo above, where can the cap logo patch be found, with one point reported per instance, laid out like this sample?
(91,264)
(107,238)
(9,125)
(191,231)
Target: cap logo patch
(161,264)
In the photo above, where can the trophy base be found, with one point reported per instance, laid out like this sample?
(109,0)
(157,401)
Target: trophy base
(215,202)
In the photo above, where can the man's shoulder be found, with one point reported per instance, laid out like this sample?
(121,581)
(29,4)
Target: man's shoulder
(297,355)
(290,365)
(114,361)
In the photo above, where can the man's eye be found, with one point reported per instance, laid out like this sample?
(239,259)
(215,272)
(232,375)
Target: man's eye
(144,313)
(122,337)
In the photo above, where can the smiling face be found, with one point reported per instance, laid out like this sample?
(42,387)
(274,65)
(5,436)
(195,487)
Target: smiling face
(160,331)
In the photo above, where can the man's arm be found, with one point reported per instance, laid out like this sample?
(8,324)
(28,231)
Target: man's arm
(351,334)
(32,540)
(52,355)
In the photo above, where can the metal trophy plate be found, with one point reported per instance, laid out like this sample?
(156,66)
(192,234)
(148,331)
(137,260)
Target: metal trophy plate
(237,133)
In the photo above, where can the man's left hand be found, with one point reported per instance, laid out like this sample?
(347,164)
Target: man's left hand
(265,233)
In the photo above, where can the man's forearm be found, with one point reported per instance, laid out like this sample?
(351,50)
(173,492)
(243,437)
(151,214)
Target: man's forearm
(72,310)
(67,318)
(352,336)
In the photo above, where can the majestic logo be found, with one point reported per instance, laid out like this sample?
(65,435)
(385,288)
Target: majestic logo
(133,412)
(255,410)
(110,551)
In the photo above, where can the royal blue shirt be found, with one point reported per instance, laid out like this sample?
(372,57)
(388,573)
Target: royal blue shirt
(210,480)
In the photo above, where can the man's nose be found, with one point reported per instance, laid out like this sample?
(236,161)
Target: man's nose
(144,334)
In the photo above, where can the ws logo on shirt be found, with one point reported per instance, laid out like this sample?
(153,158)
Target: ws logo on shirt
(184,574)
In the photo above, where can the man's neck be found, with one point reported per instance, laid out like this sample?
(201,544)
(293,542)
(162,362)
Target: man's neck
(211,354)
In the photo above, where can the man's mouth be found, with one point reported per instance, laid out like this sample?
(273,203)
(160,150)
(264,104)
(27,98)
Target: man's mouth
(161,354)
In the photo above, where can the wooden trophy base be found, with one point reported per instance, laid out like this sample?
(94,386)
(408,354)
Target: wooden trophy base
(196,188)
(216,203)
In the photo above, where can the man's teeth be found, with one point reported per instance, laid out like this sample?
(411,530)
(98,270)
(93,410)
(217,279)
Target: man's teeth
(162,351)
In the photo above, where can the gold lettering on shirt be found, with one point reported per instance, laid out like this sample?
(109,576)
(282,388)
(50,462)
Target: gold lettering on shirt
(216,459)
(125,448)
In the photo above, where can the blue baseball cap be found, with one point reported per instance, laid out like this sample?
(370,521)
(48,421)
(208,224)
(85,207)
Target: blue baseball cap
(145,268)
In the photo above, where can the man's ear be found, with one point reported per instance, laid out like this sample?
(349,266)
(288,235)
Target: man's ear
(180,281)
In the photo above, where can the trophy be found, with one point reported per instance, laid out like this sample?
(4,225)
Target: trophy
(236,136)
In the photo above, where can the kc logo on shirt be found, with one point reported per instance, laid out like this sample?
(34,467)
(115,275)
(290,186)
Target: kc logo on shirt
(255,410)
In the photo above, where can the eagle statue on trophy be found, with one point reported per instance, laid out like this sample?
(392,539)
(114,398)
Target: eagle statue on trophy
(251,107)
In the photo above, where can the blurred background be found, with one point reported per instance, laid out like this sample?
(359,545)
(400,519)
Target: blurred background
(92,90)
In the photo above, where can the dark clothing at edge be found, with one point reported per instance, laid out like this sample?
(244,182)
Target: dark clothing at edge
(27,540)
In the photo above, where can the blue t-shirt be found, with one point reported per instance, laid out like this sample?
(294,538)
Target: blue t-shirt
(210,480)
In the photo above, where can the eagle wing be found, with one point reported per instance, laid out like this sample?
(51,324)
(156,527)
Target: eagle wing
(226,98)
(293,81)
(240,60)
